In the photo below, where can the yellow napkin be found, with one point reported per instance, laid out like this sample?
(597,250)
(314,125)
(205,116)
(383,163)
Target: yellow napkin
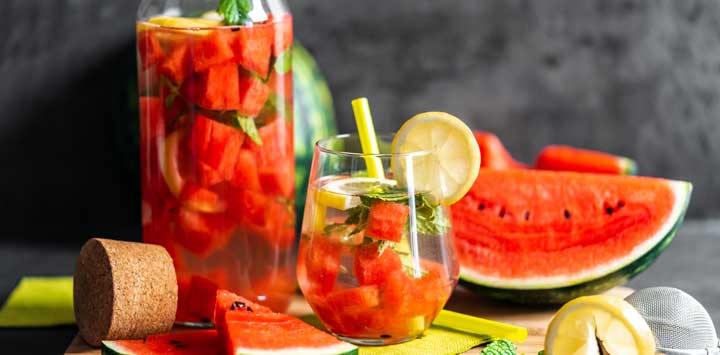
(435,341)
(39,302)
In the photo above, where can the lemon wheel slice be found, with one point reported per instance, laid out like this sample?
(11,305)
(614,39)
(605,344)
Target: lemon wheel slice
(342,194)
(450,172)
(599,325)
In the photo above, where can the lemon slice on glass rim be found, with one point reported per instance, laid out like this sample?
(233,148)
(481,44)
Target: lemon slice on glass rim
(599,324)
(450,169)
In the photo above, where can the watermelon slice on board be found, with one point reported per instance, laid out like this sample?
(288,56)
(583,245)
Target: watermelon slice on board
(245,327)
(547,237)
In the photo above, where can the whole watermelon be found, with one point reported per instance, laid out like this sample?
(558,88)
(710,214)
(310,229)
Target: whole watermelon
(314,118)
(313,111)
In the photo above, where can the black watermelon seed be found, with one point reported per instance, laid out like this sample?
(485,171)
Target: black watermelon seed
(235,29)
(567,214)
(249,309)
(502,212)
(527,215)
(481,206)
(385,336)
(621,204)
(609,210)
(175,342)
(205,320)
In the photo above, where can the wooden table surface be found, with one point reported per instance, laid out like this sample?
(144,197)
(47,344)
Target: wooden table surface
(535,319)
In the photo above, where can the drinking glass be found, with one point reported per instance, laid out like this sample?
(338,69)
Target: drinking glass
(376,259)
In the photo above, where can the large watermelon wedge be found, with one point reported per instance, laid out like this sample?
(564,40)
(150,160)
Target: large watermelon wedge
(547,237)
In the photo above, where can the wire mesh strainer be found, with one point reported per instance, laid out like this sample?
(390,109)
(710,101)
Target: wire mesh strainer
(680,323)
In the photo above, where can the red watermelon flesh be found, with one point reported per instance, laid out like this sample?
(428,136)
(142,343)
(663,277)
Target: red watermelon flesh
(252,47)
(217,146)
(253,93)
(523,228)
(493,152)
(387,220)
(149,49)
(176,64)
(151,118)
(215,89)
(562,157)
(211,50)
(283,32)
(247,328)
(199,342)
(373,268)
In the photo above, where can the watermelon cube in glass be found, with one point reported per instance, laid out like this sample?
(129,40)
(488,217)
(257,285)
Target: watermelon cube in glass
(376,261)
(217,150)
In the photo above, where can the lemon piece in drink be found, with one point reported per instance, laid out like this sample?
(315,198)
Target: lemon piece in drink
(184,22)
(447,174)
(599,325)
(343,194)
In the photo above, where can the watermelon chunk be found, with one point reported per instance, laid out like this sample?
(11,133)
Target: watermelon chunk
(211,50)
(152,122)
(149,49)
(201,297)
(252,95)
(202,233)
(546,237)
(217,146)
(372,268)
(199,342)
(354,299)
(387,221)
(215,89)
(201,199)
(245,175)
(248,328)
(279,180)
(176,66)
(252,47)
(562,157)
(323,263)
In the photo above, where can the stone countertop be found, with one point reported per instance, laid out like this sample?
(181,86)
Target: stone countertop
(691,263)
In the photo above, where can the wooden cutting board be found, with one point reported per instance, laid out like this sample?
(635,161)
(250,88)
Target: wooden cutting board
(535,319)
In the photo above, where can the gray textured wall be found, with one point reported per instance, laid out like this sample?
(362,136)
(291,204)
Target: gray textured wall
(639,78)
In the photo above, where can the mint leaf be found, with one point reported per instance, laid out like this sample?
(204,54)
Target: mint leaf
(500,347)
(384,244)
(235,12)
(247,124)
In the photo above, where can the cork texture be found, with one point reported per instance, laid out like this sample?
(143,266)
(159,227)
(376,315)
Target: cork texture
(123,290)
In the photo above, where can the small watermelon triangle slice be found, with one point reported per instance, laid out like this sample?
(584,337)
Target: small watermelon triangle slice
(248,328)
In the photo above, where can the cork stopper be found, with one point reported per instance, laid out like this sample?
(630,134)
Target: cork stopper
(123,290)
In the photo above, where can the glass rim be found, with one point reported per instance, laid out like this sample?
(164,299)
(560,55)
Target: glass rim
(146,22)
(319,145)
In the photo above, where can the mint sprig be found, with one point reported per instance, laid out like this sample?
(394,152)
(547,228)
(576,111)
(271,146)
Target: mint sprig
(500,347)
(235,12)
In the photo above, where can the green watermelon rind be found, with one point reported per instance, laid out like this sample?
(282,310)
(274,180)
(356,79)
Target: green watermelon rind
(110,347)
(540,294)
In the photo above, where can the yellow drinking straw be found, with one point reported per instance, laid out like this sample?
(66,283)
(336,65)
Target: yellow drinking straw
(368,140)
(476,325)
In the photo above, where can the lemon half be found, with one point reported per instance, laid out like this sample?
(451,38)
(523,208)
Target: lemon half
(599,325)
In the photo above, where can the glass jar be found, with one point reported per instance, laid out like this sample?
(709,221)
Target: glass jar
(216,143)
